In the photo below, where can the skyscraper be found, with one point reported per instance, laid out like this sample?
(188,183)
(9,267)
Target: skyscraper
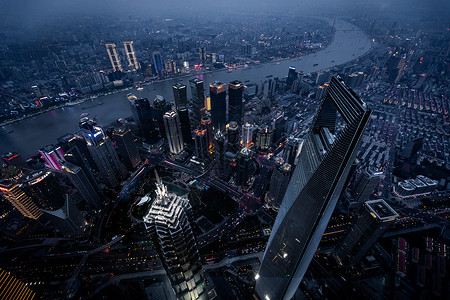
(207,124)
(180,95)
(201,143)
(158,64)
(160,107)
(52,155)
(133,65)
(173,132)
(198,100)
(168,222)
(233,136)
(264,137)
(245,166)
(247,135)
(11,190)
(323,165)
(14,159)
(185,124)
(114,57)
(375,218)
(83,183)
(279,182)
(218,93)
(67,218)
(45,190)
(126,147)
(367,182)
(103,153)
(12,289)
(143,116)
(292,75)
(235,106)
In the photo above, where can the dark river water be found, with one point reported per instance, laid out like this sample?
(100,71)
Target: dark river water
(30,134)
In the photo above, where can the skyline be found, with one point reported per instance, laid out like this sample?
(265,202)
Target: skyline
(225,150)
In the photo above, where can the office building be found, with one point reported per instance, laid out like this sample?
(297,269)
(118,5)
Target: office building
(292,75)
(366,184)
(143,115)
(160,107)
(201,143)
(264,138)
(14,159)
(322,77)
(114,57)
(279,182)
(52,155)
(12,288)
(76,151)
(127,147)
(233,136)
(207,124)
(198,99)
(88,190)
(315,186)
(111,170)
(180,95)
(247,135)
(218,94)
(45,190)
(235,105)
(245,166)
(72,145)
(158,64)
(67,219)
(10,186)
(168,222)
(185,124)
(291,150)
(133,64)
(375,218)
(173,132)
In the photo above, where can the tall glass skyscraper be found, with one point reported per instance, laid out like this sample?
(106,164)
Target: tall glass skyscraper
(103,152)
(173,132)
(179,95)
(235,105)
(323,165)
(159,64)
(218,93)
(198,99)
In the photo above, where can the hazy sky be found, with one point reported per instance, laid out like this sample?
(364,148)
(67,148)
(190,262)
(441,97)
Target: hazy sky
(37,11)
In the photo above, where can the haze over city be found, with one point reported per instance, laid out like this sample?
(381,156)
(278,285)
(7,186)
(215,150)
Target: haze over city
(224,149)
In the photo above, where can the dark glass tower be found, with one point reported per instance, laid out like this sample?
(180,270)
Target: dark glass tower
(218,95)
(143,116)
(292,75)
(159,64)
(103,152)
(323,165)
(180,95)
(235,109)
(375,218)
(198,99)
(185,123)
(127,147)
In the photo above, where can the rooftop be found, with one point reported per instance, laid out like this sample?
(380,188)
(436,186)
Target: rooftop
(381,210)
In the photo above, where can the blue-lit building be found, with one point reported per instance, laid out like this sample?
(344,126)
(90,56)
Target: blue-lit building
(158,64)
